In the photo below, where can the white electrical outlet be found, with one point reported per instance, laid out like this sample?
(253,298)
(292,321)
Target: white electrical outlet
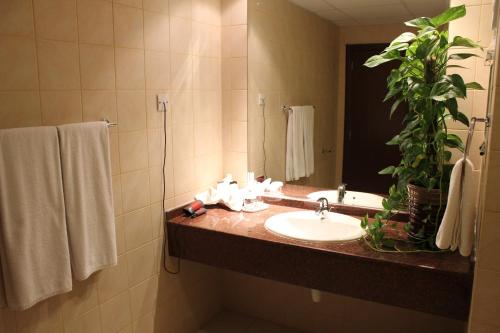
(261,99)
(161,102)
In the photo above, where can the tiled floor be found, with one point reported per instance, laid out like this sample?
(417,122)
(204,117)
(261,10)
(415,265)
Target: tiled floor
(230,322)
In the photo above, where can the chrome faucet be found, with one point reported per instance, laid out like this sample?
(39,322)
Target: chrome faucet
(341,192)
(323,208)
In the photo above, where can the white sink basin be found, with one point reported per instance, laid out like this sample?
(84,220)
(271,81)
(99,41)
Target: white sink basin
(307,225)
(352,198)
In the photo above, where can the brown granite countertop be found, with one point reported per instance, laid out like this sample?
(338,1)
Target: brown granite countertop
(438,283)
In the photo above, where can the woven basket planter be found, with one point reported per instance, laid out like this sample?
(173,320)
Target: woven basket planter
(426,209)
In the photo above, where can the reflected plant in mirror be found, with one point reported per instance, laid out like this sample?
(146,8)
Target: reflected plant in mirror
(422,82)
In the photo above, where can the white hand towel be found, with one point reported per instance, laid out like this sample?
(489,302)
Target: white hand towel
(88,196)
(456,229)
(34,250)
(469,210)
(300,143)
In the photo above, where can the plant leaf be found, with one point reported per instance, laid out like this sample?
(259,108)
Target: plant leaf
(450,14)
(420,22)
(474,85)
(461,56)
(464,42)
(387,171)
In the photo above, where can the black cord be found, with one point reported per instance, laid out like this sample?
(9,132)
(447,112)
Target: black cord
(163,197)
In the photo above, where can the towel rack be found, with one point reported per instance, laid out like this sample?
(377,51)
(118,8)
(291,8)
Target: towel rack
(110,124)
(472,125)
(287,108)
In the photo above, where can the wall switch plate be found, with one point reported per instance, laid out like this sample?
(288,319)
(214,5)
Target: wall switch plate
(261,99)
(161,102)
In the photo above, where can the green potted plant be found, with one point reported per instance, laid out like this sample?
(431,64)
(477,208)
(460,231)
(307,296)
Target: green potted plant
(423,84)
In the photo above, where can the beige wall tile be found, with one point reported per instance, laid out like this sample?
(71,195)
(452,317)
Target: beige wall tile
(133,151)
(135,190)
(207,105)
(181,8)
(120,236)
(206,73)
(90,322)
(82,299)
(493,183)
(239,101)
(131,3)
(156,181)
(238,68)
(117,194)
(489,244)
(128,27)
(207,11)
(43,317)
(156,31)
(20,109)
(183,141)
(238,40)
(99,104)
(181,106)
(143,297)
(183,175)
(486,297)
(181,71)
(59,65)
(157,70)
(97,64)
(17,63)
(115,313)
(114,152)
(181,35)
(156,147)
(476,327)
(95,22)
(129,69)
(56,19)
(156,6)
(239,136)
(138,228)
(61,107)
(131,110)
(16,17)
(140,264)
(208,134)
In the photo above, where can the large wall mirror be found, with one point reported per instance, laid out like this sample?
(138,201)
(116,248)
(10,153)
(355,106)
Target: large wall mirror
(305,53)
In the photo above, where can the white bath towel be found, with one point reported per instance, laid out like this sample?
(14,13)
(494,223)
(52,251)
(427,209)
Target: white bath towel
(457,227)
(300,143)
(34,250)
(88,196)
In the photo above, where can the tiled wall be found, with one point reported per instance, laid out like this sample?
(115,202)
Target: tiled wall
(292,60)
(368,34)
(292,306)
(65,61)
(484,316)
(234,87)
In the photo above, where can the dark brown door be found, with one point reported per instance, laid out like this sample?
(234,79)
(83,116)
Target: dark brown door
(367,125)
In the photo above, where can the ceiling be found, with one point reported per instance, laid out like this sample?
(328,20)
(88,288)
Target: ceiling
(363,12)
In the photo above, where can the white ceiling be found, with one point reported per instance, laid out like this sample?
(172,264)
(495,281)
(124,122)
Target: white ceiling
(362,12)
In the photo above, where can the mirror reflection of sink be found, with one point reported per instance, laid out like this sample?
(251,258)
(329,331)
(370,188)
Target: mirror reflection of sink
(308,226)
(352,198)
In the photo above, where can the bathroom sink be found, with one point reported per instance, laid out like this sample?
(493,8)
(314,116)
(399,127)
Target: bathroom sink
(308,226)
(352,198)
